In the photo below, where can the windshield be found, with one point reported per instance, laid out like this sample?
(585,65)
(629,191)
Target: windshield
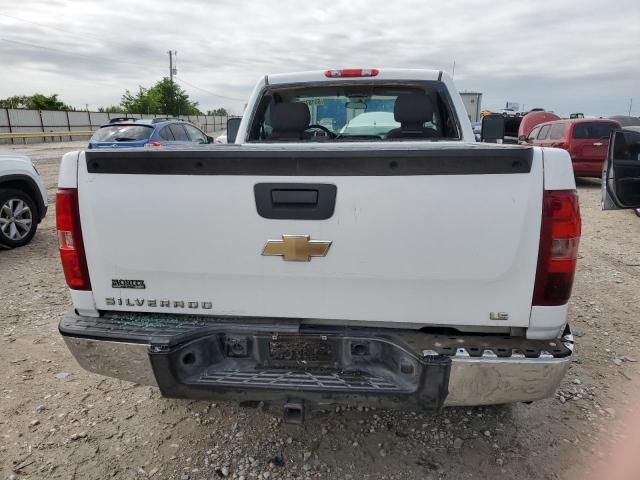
(355,112)
(122,133)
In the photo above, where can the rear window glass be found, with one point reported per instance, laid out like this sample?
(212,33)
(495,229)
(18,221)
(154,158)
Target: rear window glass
(356,111)
(557,131)
(593,130)
(543,132)
(122,133)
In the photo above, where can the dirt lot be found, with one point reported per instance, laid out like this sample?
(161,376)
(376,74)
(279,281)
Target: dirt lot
(57,421)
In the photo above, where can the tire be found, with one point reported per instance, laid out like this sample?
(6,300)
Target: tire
(18,218)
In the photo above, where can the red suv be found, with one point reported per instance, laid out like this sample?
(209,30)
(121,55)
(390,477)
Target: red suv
(585,139)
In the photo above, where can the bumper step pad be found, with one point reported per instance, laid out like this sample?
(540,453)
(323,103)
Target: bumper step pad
(307,380)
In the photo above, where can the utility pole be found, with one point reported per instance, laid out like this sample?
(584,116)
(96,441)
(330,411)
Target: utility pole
(453,70)
(630,104)
(172,69)
(172,72)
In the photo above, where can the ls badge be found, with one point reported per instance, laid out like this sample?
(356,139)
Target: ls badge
(296,248)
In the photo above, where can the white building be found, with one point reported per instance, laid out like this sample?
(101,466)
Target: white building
(473,103)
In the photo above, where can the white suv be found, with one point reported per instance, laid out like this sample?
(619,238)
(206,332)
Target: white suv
(23,200)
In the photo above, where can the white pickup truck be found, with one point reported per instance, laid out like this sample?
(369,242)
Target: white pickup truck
(318,260)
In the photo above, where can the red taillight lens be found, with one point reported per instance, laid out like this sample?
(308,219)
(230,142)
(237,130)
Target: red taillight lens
(558,253)
(352,72)
(74,263)
(153,143)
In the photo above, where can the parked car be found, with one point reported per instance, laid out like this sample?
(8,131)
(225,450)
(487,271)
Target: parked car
(23,200)
(155,132)
(586,140)
(378,268)
(370,123)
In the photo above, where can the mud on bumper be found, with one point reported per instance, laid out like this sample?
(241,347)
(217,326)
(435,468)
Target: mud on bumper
(280,360)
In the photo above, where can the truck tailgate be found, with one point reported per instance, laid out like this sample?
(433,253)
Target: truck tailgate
(421,235)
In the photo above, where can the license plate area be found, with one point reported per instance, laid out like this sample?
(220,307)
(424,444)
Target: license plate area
(301,352)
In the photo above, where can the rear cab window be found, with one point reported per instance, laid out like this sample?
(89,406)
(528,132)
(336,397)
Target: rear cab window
(122,133)
(592,130)
(358,112)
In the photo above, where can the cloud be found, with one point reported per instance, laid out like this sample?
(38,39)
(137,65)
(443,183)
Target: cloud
(565,56)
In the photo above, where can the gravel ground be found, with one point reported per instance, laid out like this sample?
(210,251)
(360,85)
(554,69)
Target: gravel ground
(58,421)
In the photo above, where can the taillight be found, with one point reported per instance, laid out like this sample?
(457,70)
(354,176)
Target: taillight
(352,72)
(74,262)
(558,252)
(153,143)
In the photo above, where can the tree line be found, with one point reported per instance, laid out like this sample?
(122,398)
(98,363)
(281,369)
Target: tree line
(164,98)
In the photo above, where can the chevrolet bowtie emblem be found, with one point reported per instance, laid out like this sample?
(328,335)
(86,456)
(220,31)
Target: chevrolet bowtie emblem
(296,248)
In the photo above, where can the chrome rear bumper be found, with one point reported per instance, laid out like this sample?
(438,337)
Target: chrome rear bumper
(490,376)
(489,381)
(123,360)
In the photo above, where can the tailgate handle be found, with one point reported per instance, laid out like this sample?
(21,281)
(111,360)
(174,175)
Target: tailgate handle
(295,201)
(294,197)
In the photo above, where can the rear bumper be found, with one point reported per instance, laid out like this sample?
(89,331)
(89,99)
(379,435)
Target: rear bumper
(282,361)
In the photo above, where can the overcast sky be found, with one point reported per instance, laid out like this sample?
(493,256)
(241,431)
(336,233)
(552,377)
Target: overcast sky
(567,56)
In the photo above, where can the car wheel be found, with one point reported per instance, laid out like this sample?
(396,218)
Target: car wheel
(18,218)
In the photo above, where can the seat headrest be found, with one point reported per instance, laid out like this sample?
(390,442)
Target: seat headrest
(413,108)
(289,117)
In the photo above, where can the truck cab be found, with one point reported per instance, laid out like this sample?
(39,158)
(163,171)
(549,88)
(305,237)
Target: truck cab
(349,105)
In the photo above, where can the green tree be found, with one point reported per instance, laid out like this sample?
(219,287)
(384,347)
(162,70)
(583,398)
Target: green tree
(37,101)
(111,109)
(173,99)
(142,102)
(219,111)
(165,97)
(15,101)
